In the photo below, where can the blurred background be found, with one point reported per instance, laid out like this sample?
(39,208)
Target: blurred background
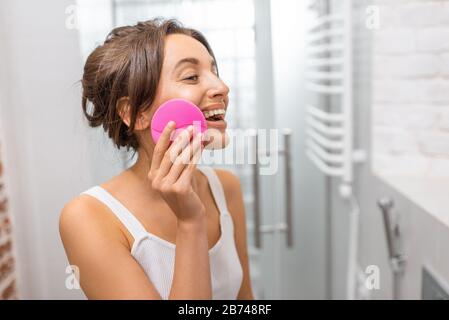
(357,95)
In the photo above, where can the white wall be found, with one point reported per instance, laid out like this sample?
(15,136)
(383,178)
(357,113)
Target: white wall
(46,140)
(411,88)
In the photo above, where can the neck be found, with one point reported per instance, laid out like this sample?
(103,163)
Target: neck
(142,167)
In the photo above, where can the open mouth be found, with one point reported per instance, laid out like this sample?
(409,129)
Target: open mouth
(215,118)
(215,115)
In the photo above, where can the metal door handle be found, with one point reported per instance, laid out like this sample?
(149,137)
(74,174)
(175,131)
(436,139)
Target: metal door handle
(286,227)
(288,187)
(256,191)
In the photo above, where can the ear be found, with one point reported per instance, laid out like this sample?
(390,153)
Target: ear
(124,110)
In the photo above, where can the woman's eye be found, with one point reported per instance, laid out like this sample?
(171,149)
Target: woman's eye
(192,78)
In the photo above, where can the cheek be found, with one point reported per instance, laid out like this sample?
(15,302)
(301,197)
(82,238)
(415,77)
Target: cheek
(193,93)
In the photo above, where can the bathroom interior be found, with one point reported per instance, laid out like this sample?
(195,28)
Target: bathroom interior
(357,92)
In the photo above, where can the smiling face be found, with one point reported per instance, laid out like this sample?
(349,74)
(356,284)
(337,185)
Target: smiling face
(189,72)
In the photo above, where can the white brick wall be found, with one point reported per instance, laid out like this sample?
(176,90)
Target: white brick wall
(8,289)
(410,111)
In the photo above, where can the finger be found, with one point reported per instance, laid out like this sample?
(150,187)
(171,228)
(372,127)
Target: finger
(184,141)
(184,159)
(175,149)
(162,145)
(186,155)
(208,142)
(187,173)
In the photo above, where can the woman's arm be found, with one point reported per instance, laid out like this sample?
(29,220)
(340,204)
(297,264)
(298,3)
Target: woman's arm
(99,249)
(192,278)
(97,246)
(234,200)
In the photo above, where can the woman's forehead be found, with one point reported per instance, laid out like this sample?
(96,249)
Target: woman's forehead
(180,46)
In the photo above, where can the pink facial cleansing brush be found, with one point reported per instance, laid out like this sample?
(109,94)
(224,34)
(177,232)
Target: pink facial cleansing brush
(182,112)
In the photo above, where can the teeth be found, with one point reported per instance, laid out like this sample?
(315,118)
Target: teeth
(208,114)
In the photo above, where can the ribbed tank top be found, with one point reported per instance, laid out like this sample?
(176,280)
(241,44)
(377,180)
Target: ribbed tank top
(157,256)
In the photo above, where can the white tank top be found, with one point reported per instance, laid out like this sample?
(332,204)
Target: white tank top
(157,256)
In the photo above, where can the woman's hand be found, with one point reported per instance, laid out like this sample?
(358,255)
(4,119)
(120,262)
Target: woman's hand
(172,169)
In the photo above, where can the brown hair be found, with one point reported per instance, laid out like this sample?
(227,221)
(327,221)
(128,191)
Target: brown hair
(127,64)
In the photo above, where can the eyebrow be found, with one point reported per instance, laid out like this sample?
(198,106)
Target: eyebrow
(193,61)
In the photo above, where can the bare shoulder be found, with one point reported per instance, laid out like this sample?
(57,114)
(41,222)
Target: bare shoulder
(79,211)
(95,245)
(86,215)
(233,194)
(230,182)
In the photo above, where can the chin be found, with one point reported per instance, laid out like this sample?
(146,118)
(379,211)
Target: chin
(220,141)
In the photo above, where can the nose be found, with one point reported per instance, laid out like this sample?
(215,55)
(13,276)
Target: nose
(218,88)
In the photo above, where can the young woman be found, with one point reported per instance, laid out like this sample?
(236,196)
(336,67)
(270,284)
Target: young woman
(161,229)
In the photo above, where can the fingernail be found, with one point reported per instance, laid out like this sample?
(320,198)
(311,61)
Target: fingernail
(171,124)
